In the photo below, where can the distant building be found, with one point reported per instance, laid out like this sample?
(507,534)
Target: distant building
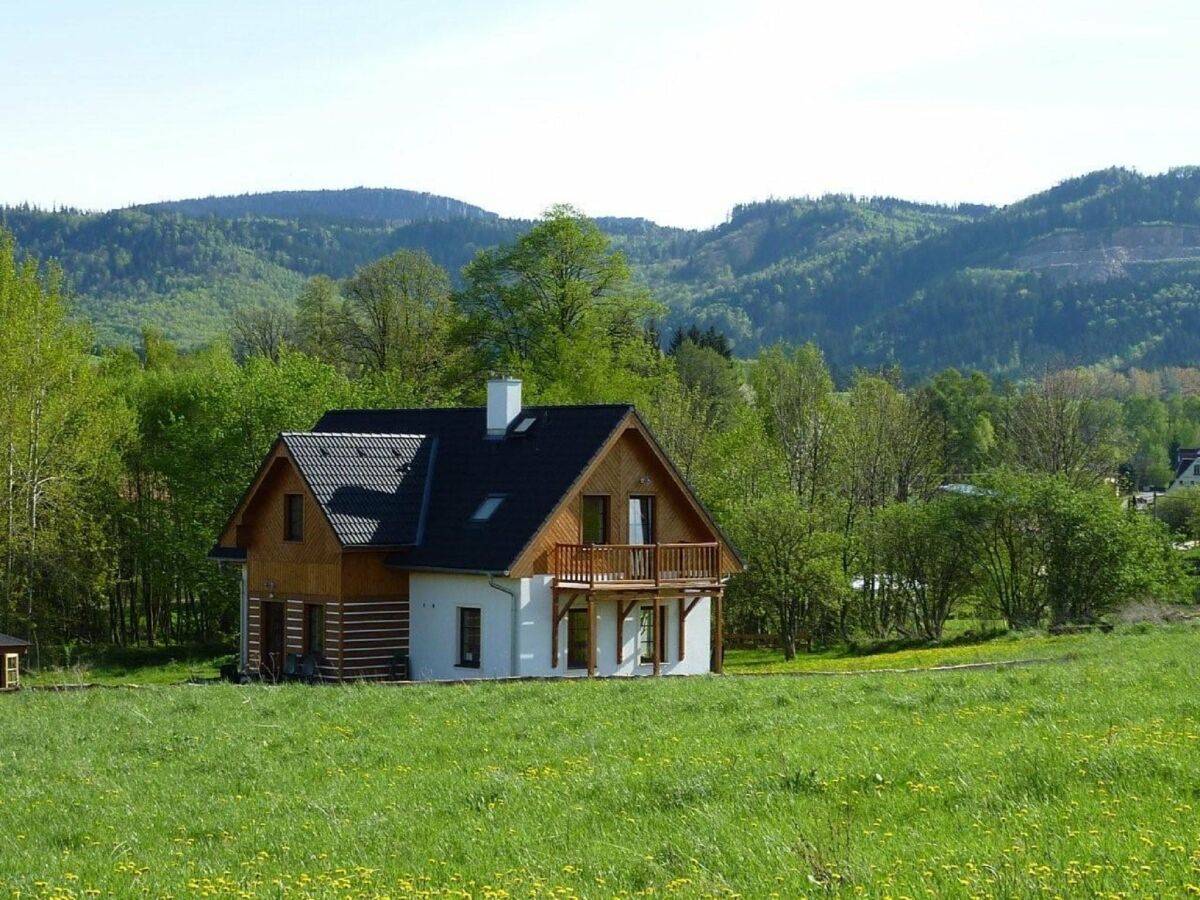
(11,651)
(1187,469)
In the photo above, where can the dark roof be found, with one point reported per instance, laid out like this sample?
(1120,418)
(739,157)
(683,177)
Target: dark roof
(373,487)
(532,471)
(8,642)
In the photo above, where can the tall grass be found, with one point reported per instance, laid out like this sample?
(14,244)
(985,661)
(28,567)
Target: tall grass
(1070,779)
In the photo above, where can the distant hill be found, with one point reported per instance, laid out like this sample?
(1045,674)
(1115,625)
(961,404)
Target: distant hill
(376,205)
(1102,268)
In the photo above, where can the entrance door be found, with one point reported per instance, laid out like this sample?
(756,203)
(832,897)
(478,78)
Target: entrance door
(577,639)
(271,640)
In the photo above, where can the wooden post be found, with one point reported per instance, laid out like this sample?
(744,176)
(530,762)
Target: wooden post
(682,637)
(591,614)
(554,633)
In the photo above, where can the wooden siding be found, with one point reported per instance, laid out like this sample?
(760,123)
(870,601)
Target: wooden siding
(621,472)
(375,636)
(311,567)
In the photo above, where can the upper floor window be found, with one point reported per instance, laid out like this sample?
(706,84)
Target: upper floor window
(1196,469)
(595,519)
(293,517)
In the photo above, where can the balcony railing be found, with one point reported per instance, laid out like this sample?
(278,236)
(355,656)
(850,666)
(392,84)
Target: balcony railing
(613,566)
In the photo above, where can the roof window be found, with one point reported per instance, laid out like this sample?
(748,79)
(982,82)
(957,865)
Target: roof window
(524,425)
(489,505)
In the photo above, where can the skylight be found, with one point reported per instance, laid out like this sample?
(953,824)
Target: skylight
(524,425)
(490,504)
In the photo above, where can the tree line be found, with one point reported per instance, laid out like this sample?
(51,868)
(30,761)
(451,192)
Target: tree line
(863,505)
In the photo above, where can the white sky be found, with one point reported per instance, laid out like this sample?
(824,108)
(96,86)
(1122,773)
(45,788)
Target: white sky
(671,109)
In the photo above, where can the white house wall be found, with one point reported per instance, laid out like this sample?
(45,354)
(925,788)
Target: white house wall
(433,654)
(433,603)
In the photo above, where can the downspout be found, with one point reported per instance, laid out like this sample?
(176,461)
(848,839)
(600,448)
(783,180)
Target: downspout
(514,647)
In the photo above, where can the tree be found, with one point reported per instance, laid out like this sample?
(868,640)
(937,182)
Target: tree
(1044,545)
(1062,426)
(925,557)
(795,393)
(795,573)
(263,331)
(527,304)
(60,428)
(400,317)
(321,320)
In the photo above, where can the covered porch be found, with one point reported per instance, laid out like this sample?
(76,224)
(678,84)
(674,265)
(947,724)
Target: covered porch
(652,577)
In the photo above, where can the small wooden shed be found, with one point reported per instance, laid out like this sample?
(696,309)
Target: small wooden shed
(11,651)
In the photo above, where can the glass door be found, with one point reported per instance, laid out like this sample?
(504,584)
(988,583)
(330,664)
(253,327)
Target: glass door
(641,531)
(577,639)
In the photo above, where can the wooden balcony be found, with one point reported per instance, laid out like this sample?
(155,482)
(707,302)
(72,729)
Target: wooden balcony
(615,567)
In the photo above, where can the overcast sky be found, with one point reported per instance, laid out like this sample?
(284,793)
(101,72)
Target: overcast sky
(671,109)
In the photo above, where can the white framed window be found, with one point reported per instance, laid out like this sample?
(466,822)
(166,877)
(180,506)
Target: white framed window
(12,670)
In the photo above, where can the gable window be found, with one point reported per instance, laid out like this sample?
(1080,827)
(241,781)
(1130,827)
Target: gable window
(641,520)
(649,635)
(314,628)
(293,517)
(487,508)
(595,519)
(469,634)
(1196,469)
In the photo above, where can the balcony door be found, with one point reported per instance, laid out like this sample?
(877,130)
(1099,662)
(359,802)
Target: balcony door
(641,531)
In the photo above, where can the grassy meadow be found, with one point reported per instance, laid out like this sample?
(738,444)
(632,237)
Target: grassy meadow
(1075,777)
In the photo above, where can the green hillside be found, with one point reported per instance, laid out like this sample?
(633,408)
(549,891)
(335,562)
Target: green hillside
(1102,268)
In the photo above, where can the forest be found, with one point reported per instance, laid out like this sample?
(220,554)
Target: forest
(873,505)
(1101,269)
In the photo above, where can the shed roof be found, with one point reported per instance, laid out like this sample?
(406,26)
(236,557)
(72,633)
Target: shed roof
(8,642)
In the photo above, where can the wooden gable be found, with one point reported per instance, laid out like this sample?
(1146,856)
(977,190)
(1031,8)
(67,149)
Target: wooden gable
(310,567)
(630,464)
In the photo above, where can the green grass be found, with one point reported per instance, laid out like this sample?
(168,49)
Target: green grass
(1074,779)
(133,666)
(999,647)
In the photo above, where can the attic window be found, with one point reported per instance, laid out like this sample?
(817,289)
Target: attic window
(490,504)
(524,425)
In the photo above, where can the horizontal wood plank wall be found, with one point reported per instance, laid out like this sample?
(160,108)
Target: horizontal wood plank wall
(619,475)
(375,617)
(253,656)
(375,634)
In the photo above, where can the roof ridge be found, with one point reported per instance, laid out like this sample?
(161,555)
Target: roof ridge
(365,434)
(436,409)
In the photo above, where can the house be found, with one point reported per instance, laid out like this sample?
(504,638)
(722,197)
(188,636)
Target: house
(11,651)
(1187,469)
(504,541)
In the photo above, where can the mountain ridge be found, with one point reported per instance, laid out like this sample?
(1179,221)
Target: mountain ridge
(1100,268)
